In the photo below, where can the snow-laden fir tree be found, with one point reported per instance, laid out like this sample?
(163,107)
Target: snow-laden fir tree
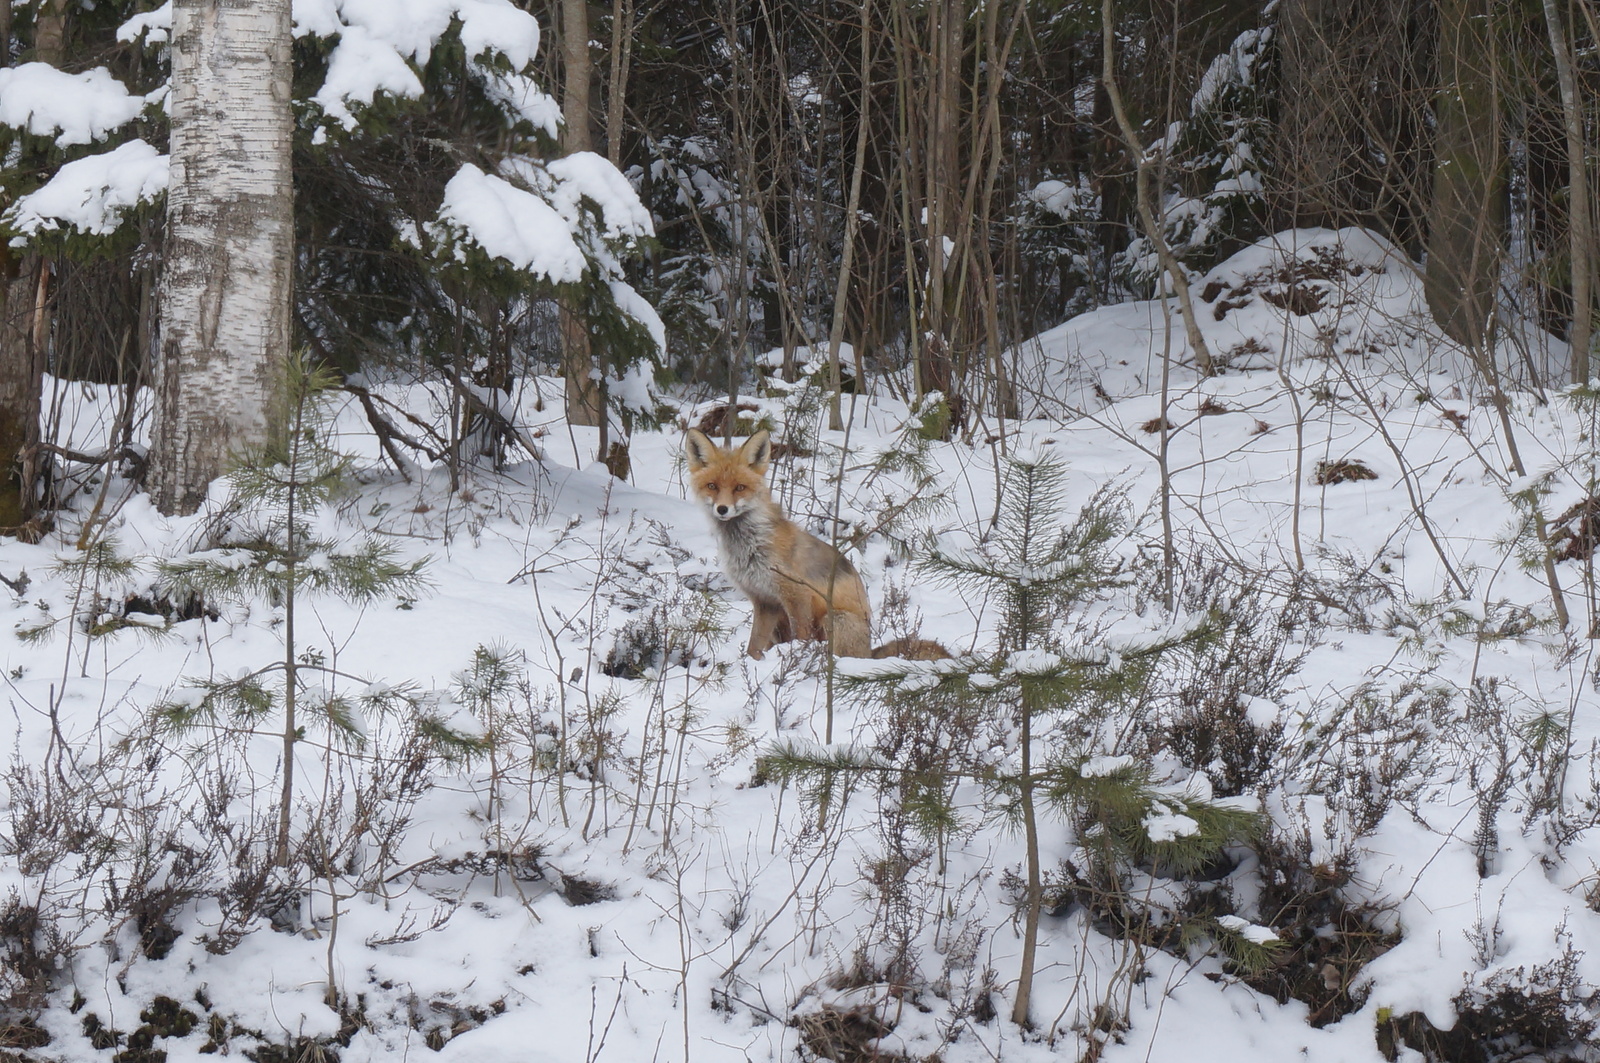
(1033,721)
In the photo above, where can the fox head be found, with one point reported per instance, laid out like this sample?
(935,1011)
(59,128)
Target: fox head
(731,482)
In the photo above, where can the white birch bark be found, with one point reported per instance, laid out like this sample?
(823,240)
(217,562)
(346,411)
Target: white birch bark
(225,285)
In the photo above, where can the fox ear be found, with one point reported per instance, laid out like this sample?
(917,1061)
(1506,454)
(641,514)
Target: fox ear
(698,449)
(757,451)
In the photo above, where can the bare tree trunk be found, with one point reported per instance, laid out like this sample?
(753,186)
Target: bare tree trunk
(24,323)
(1144,197)
(21,362)
(622,19)
(1033,900)
(585,398)
(842,287)
(904,193)
(50,32)
(941,154)
(1325,64)
(226,286)
(1580,219)
(992,61)
(1467,217)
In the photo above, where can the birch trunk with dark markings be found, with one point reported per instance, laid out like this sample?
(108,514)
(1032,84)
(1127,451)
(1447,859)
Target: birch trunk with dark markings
(226,285)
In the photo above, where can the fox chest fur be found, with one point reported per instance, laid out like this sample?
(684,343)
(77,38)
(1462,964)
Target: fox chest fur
(745,547)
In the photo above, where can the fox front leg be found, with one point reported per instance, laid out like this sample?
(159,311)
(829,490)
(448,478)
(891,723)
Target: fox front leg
(803,609)
(767,628)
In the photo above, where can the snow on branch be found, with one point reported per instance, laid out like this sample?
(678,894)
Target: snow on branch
(585,175)
(519,97)
(154,26)
(633,387)
(362,66)
(382,42)
(543,221)
(90,194)
(80,107)
(509,223)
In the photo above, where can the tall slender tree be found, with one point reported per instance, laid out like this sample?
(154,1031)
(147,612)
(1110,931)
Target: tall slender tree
(1467,216)
(24,327)
(1580,226)
(585,400)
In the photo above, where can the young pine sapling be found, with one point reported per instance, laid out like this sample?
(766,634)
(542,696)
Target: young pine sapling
(1050,680)
(275,553)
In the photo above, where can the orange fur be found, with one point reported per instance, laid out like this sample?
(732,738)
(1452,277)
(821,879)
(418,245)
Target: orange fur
(913,649)
(801,587)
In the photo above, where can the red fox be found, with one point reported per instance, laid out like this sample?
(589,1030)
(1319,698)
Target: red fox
(801,587)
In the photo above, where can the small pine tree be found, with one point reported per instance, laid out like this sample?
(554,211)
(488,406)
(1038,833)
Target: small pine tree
(275,555)
(1050,679)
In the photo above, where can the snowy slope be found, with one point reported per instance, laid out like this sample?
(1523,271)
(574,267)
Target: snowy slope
(650,895)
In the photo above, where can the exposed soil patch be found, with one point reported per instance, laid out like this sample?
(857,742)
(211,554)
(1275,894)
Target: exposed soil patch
(1573,534)
(1326,942)
(844,1036)
(1345,470)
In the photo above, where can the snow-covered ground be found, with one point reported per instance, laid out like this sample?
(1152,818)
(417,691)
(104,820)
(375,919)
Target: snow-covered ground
(620,881)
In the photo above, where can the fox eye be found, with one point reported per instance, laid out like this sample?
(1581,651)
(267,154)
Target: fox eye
(711,486)
(739,489)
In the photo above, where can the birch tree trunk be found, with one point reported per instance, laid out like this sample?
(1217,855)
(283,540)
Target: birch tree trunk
(226,285)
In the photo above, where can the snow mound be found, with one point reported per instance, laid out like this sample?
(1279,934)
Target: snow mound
(1346,297)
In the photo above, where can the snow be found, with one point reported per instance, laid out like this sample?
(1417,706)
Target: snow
(730,906)
(380,40)
(513,224)
(1165,825)
(1358,307)
(1261,712)
(81,108)
(1070,202)
(634,389)
(520,97)
(90,194)
(1258,935)
(361,67)
(1096,767)
(583,175)
(533,218)
(154,26)
(1034,662)
(498,26)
